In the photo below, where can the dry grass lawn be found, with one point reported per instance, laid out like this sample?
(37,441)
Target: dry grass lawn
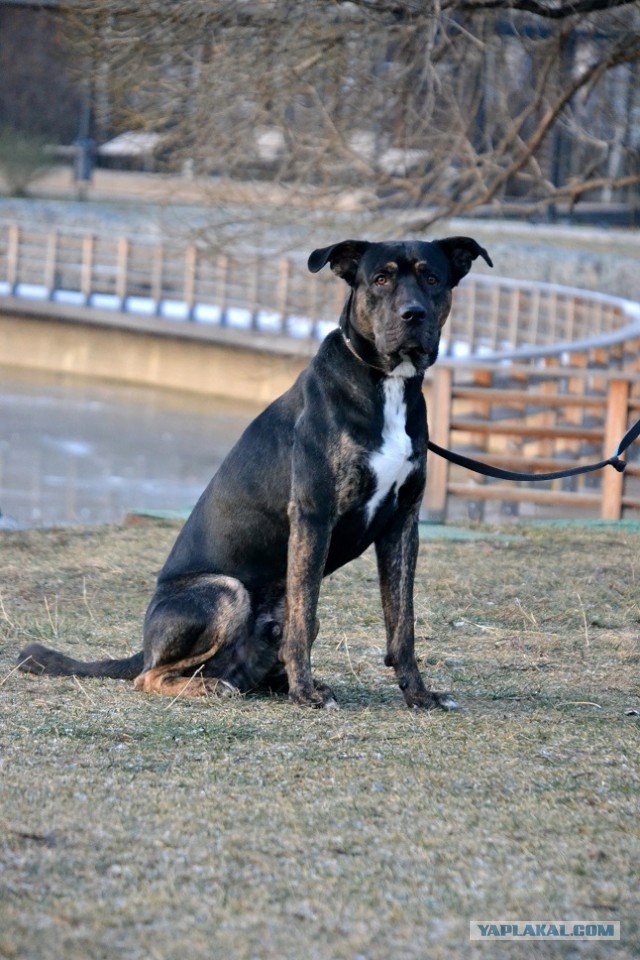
(136,827)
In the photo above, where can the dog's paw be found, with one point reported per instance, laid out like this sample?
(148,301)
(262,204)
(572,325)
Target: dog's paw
(432,700)
(319,696)
(220,688)
(444,701)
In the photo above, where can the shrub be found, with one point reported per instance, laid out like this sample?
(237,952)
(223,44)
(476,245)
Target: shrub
(23,158)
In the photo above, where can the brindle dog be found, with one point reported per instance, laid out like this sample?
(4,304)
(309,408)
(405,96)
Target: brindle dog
(335,464)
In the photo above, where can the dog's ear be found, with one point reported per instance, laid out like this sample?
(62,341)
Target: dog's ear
(343,258)
(461,252)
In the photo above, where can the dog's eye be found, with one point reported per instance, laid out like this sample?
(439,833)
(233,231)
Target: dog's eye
(432,279)
(380,280)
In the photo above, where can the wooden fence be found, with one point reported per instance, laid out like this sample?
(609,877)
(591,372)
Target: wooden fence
(554,412)
(531,375)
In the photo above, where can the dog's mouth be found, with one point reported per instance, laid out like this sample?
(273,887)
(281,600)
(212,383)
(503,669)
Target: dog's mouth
(419,358)
(421,352)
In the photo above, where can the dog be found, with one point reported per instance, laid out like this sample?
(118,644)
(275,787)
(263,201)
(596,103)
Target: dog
(335,464)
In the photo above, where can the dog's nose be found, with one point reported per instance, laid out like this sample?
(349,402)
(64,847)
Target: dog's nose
(413,313)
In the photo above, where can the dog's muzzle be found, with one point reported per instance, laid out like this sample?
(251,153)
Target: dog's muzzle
(414,336)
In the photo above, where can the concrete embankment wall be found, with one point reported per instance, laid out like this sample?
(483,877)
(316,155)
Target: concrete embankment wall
(144,350)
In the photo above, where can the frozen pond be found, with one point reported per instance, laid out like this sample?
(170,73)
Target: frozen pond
(79,451)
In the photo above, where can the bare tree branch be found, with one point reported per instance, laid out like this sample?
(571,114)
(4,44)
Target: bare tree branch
(443,106)
(549,9)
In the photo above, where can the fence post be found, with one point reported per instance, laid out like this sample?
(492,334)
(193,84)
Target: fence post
(86,268)
(282,295)
(469,318)
(50,263)
(156,276)
(514,316)
(312,305)
(477,508)
(222,270)
(12,256)
(615,428)
(190,263)
(439,416)
(254,270)
(493,319)
(121,271)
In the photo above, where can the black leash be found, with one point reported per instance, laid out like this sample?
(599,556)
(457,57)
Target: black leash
(488,471)
(477,466)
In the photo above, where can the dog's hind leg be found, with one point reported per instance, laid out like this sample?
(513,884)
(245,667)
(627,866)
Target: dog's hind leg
(198,639)
(190,624)
(170,683)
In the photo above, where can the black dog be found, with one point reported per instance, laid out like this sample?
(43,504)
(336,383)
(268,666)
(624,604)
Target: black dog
(335,464)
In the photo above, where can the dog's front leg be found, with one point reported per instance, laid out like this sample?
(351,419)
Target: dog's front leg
(397,552)
(309,537)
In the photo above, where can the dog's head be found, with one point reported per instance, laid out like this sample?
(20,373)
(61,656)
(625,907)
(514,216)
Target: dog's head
(400,292)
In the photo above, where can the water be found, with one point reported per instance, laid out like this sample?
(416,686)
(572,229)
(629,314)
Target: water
(79,451)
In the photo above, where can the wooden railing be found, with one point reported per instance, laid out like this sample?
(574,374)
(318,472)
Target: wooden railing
(554,412)
(491,316)
(531,375)
(167,278)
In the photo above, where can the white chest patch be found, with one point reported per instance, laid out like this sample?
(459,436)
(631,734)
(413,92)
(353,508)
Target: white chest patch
(391,464)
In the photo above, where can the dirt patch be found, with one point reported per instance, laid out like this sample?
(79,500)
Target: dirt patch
(140,828)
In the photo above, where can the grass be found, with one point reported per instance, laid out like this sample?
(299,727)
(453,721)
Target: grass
(137,827)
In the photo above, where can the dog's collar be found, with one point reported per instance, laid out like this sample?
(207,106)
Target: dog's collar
(397,371)
(353,350)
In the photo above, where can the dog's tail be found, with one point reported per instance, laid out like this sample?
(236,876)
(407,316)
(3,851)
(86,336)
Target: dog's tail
(42,660)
